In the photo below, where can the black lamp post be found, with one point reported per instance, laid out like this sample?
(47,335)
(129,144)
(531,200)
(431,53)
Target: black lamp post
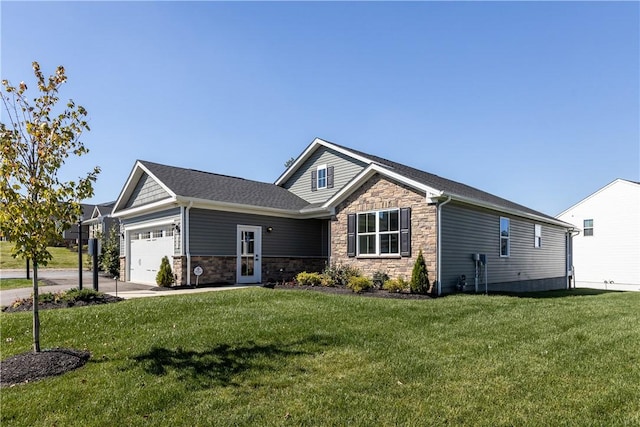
(80,253)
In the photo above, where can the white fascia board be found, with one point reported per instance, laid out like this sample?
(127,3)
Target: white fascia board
(126,188)
(370,171)
(299,161)
(514,212)
(151,207)
(134,176)
(95,211)
(595,193)
(155,178)
(251,209)
(91,221)
(317,142)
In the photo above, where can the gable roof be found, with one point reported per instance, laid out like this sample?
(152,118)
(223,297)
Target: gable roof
(189,185)
(633,184)
(434,185)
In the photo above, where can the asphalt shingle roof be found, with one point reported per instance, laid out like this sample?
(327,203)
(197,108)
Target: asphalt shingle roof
(446,185)
(222,188)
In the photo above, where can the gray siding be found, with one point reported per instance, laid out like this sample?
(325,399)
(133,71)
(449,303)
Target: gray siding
(146,191)
(345,169)
(173,214)
(467,230)
(214,233)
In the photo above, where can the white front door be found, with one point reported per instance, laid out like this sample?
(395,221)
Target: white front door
(249,253)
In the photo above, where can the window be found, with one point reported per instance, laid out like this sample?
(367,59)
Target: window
(378,233)
(322,176)
(587,227)
(145,235)
(537,235)
(504,237)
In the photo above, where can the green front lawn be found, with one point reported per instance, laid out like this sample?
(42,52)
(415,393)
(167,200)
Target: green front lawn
(6,284)
(263,357)
(62,258)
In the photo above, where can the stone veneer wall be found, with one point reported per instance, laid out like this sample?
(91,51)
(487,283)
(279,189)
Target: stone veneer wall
(380,193)
(180,270)
(278,269)
(216,269)
(123,269)
(222,269)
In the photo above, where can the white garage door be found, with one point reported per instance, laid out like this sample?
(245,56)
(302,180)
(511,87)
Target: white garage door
(147,249)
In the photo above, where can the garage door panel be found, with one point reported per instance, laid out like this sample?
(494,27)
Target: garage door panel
(146,254)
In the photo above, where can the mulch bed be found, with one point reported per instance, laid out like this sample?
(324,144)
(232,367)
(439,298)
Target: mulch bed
(28,367)
(374,293)
(31,366)
(28,305)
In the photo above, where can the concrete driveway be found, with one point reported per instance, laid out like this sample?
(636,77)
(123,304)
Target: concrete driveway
(62,280)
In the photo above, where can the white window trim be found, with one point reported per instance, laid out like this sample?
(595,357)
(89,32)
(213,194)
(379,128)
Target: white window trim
(377,233)
(585,228)
(537,236)
(508,238)
(318,186)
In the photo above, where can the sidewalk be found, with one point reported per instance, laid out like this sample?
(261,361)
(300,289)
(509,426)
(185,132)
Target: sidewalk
(62,280)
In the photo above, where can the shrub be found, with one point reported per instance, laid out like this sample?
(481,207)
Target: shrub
(165,276)
(359,283)
(110,257)
(74,295)
(327,281)
(309,279)
(339,274)
(379,277)
(419,276)
(69,297)
(396,285)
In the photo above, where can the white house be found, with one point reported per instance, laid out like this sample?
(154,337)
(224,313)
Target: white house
(608,248)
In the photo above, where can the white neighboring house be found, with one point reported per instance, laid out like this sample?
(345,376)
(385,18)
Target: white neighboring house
(607,251)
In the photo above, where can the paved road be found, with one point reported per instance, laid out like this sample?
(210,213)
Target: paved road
(62,280)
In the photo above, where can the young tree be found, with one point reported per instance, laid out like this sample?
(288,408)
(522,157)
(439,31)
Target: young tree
(419,276)
(110,261)
(37,138)
(165,275)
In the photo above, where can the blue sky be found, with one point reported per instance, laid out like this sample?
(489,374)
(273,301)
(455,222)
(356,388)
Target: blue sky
(537,102)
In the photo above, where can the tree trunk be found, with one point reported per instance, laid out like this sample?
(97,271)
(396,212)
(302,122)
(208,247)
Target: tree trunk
(36,314)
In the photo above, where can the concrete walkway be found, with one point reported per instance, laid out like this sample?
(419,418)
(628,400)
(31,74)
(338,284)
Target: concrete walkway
(62,280)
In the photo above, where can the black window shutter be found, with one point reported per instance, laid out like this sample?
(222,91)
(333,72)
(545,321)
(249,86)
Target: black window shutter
(351,235)
(314,180)
(405,231)
(330,177)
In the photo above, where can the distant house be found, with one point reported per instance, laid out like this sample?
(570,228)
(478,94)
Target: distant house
(70,236)
(100,222)
(334,204)
(608,248)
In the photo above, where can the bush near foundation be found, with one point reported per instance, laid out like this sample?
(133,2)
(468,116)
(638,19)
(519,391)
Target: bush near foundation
(419,276)
(396,285)
(309,279)
(164,277)
(359,284)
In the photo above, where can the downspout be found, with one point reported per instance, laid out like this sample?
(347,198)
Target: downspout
(569,256)
(439,261)
(187,238)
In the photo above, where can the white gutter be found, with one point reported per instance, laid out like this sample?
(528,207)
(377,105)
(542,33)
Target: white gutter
(439,261)
(186,232)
